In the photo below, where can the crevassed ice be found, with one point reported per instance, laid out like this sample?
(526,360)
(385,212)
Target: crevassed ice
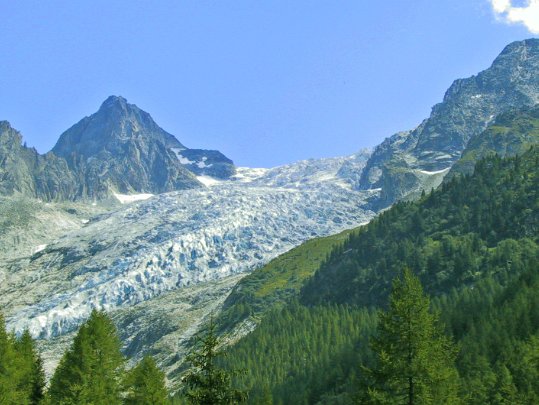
(183,238)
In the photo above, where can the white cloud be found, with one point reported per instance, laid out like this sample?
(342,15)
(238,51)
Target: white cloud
(527,14)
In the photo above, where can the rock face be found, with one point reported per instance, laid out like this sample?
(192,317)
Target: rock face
(512,133)
(24,171)
(121,148)
(398,164)
(118,149)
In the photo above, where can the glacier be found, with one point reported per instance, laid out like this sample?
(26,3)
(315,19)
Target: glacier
(138,251)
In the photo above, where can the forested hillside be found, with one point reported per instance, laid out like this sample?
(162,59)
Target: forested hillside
(472,227)
(276,283)
(473,244)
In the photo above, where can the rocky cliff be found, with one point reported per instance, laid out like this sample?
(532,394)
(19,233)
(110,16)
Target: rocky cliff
(402,163)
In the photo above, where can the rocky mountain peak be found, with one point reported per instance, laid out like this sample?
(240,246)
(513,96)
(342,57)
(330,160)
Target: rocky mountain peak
(115,102)
(400,164)
(9,135)
(116,124)
(519,49)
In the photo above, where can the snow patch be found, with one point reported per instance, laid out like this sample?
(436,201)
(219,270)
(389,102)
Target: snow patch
(208,181)
(183,160)
(39,248)
(202,164)
(186,161)
(436,171)
(129,198)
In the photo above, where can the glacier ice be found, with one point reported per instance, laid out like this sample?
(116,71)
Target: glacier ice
(141,250)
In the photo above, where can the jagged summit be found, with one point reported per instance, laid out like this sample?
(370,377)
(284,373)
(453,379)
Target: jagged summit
(114,101)
(116,123)
(23,170)
(531,44)
(118,149)
(8,132)
(400,163)
(121,147)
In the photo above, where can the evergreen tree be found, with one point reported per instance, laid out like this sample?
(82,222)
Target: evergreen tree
(32,376)
(415,361)
(207,383)
(145,384)
(90,371)
(506,392)
(9,376)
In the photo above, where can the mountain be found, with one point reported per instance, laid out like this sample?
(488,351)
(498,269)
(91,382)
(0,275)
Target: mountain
(402,163)
(119,149)
(161,266)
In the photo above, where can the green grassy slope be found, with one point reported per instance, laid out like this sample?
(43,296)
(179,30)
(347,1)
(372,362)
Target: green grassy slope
(278,281)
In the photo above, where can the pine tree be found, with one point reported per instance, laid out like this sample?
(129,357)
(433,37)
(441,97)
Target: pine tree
(506,392)
(9,376)
(91,370)
(32,376)
(207,383)
(415,361)
(145,384)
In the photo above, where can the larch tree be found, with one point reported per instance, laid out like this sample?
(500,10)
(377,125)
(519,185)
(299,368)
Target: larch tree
(207,383)
(91,370)
(415,360)
(32,376)
(145,384)
(9,375)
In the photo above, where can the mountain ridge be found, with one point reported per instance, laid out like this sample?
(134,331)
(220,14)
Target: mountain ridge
(468,106)
(118,149)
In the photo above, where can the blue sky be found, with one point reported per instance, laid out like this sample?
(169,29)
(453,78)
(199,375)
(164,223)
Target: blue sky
(265,82)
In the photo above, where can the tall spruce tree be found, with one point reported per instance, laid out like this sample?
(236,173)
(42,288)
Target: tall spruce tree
(207,383)
(415,360)
(31,375)
(145,384)
(9,375)
(91,370)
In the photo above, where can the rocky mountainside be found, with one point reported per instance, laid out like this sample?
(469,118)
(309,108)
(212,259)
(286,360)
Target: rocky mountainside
(23,170)
(511,133)
(119,149)
(162,265)
(398,166)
